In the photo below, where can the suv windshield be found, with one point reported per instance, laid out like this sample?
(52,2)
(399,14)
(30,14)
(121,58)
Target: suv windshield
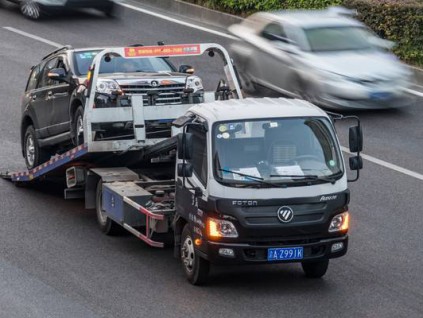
(84,59)
(276,151)
(338,38)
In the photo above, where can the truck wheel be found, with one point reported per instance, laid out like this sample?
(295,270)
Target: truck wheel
(34,155)
(78,126)
(195,267)
(107,226)
(315,269)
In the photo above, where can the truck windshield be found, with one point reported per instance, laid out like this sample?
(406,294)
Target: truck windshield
(277,151)
(84,59)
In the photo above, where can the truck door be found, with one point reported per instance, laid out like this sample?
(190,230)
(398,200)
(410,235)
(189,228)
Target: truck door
(187,202)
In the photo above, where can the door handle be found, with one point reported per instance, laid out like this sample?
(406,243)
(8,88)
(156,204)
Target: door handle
(34,97)
(50,95)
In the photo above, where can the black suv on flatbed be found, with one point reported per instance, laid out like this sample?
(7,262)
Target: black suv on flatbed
(54,99)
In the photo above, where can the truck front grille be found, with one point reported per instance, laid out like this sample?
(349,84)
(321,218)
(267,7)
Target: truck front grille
(166,94)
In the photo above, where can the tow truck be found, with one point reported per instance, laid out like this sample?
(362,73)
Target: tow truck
(239,181)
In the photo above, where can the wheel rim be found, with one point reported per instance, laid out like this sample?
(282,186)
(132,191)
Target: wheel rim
(30,9)
(30,150)
(79,130)
(188,254)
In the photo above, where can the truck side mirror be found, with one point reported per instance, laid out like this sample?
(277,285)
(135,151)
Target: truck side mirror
(185,146)
(57,74)
(185,170)
(356,163)
(187,69)
(356,139)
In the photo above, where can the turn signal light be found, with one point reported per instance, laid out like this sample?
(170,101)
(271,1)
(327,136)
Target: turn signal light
(221,228)
(340,222)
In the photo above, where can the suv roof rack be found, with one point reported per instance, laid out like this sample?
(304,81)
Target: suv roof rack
(64,48)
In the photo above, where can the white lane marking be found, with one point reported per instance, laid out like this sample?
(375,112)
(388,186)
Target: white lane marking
(34,37)
(387,165)
(190,25)
(417,85)
(411,91)
(369,158)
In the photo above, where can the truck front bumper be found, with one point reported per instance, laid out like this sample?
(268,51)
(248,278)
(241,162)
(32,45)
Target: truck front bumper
(220,254)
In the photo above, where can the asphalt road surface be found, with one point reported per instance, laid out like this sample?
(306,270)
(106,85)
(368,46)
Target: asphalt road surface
(54,262)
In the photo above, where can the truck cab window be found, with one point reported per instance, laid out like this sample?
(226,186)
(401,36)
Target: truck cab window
(199,160)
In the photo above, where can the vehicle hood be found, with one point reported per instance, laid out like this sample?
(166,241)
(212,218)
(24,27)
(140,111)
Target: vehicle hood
(360,65)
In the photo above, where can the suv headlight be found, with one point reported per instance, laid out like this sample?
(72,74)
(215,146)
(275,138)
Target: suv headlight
(221,228)
(340,222)
(106,86)
(195,83)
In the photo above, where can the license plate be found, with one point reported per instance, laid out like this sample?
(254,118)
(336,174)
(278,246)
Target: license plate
(286,253)
(380,95)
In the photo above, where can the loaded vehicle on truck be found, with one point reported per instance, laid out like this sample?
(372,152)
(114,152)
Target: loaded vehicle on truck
(239,181)
(54,98)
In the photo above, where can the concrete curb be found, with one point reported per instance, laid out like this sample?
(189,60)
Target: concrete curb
(193,11)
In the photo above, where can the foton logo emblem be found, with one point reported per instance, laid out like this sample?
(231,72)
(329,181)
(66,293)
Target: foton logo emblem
(285,214)
(245,203)
(328,197)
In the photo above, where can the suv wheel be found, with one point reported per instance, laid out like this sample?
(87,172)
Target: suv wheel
(30,9)
(78,126)
(34,155)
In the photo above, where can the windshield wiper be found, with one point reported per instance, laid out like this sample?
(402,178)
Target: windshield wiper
(259,179)
(310,177)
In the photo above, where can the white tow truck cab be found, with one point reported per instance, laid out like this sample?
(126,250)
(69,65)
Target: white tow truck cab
(261,181)
(239,181)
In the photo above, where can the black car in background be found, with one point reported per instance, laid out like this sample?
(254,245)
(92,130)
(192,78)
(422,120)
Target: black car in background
(34,9)
(54,98)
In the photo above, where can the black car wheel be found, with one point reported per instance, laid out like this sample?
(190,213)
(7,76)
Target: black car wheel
(315,269)
(34,155)
(195,267)
(110,10)
(30,9)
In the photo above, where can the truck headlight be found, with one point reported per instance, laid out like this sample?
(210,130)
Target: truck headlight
(221,228)
(106,86)
(195,83)
(340,222)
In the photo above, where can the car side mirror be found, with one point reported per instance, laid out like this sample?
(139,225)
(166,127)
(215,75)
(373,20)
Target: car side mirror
(57,74)
(185,146)
(185,170)
(356,163)
(186,69)
(356,139)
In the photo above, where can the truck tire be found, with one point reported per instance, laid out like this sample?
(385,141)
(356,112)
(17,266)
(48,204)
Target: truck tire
(34,154)
(78,126)
(196,268)
(106,225)
(315,269)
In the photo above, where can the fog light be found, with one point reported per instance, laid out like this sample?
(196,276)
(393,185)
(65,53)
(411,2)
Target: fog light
(337,247)
(226,252)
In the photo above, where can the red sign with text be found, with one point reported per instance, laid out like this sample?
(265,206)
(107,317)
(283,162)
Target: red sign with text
(164,50)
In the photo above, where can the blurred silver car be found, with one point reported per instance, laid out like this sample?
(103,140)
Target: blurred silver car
(323,56)
(34,9)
